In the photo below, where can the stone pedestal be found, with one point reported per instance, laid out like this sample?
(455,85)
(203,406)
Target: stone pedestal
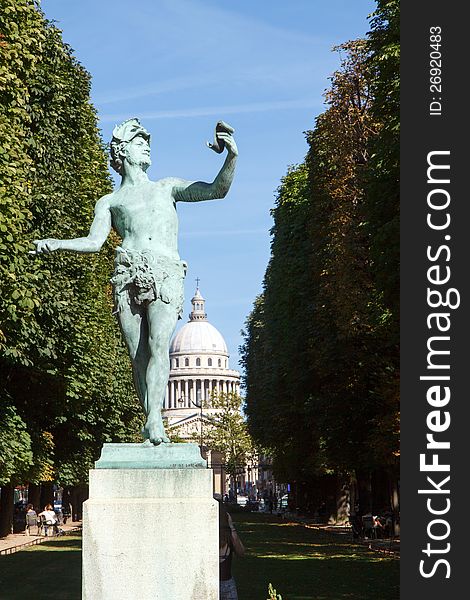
(150,533)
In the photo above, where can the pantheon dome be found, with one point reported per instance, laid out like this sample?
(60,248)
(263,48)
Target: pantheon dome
(199,363)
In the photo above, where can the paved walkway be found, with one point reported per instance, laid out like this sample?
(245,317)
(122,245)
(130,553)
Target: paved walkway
(18,541)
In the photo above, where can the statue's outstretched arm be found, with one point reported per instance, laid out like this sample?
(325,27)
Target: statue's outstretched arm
(99,231)
(196,191)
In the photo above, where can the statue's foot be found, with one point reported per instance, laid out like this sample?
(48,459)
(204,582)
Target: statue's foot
(155,432)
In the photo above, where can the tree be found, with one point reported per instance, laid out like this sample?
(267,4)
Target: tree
(228,433)
(319,350)
(63,368)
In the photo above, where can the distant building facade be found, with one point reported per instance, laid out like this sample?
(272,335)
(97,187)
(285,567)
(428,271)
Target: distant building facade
(199,368)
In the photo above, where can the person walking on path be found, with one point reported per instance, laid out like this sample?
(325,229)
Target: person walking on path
(229,543)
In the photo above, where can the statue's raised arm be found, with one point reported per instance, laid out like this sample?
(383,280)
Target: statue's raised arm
(196,191)
(99,231)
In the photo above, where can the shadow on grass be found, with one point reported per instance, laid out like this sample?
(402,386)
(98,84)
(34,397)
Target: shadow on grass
(308,564)
(301,563)
(51,570)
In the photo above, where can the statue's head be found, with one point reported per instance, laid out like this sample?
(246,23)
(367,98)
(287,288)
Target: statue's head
(130,142)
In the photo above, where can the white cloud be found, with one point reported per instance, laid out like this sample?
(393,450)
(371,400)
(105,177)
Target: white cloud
(217,110)
(219,232)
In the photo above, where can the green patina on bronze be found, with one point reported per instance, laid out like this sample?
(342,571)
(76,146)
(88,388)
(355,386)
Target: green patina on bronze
(149,274)
(149,456)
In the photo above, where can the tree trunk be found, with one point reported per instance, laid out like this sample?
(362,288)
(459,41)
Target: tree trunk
(73,501)
(364,484)
(6,509)
(395,503)
(342,501)
(47,494)
(76,496)
(34,496)
(83,494)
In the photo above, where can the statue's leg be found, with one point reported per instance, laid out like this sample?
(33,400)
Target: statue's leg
(134,328)
(162,320)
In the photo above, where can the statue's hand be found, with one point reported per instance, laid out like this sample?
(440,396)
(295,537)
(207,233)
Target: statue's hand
(223,136)
(45,246)
(230,144)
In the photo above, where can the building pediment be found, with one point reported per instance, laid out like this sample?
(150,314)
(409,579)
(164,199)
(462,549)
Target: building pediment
(188,420)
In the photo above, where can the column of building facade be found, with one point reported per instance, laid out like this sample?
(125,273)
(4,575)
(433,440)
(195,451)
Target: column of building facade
(203,390)
(191,392)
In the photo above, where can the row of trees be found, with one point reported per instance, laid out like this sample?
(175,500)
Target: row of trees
(321,343)
(65,384)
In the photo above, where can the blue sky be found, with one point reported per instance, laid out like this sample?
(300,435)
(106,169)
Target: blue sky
(180,66)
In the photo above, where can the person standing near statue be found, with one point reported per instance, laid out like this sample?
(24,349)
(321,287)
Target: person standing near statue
(149,274)
(229,544)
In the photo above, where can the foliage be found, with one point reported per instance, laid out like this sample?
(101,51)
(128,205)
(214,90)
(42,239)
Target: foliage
(382,182)
(228,433)
(320,345)
(63,366)
(15,444)
(277,369)
(350,366)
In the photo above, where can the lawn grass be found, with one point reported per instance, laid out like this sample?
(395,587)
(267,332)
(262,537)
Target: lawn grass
(308,564)
(48,571)
(302,564)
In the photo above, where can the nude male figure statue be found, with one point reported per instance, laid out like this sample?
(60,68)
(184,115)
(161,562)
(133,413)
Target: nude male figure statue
(149,274)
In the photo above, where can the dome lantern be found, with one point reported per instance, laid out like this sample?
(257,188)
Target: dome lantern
(199,306)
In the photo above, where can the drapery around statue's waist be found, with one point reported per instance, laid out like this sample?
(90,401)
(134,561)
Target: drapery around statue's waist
(141,277)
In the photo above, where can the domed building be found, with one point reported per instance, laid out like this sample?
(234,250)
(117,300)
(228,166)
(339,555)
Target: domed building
(199,362)
(199,368)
